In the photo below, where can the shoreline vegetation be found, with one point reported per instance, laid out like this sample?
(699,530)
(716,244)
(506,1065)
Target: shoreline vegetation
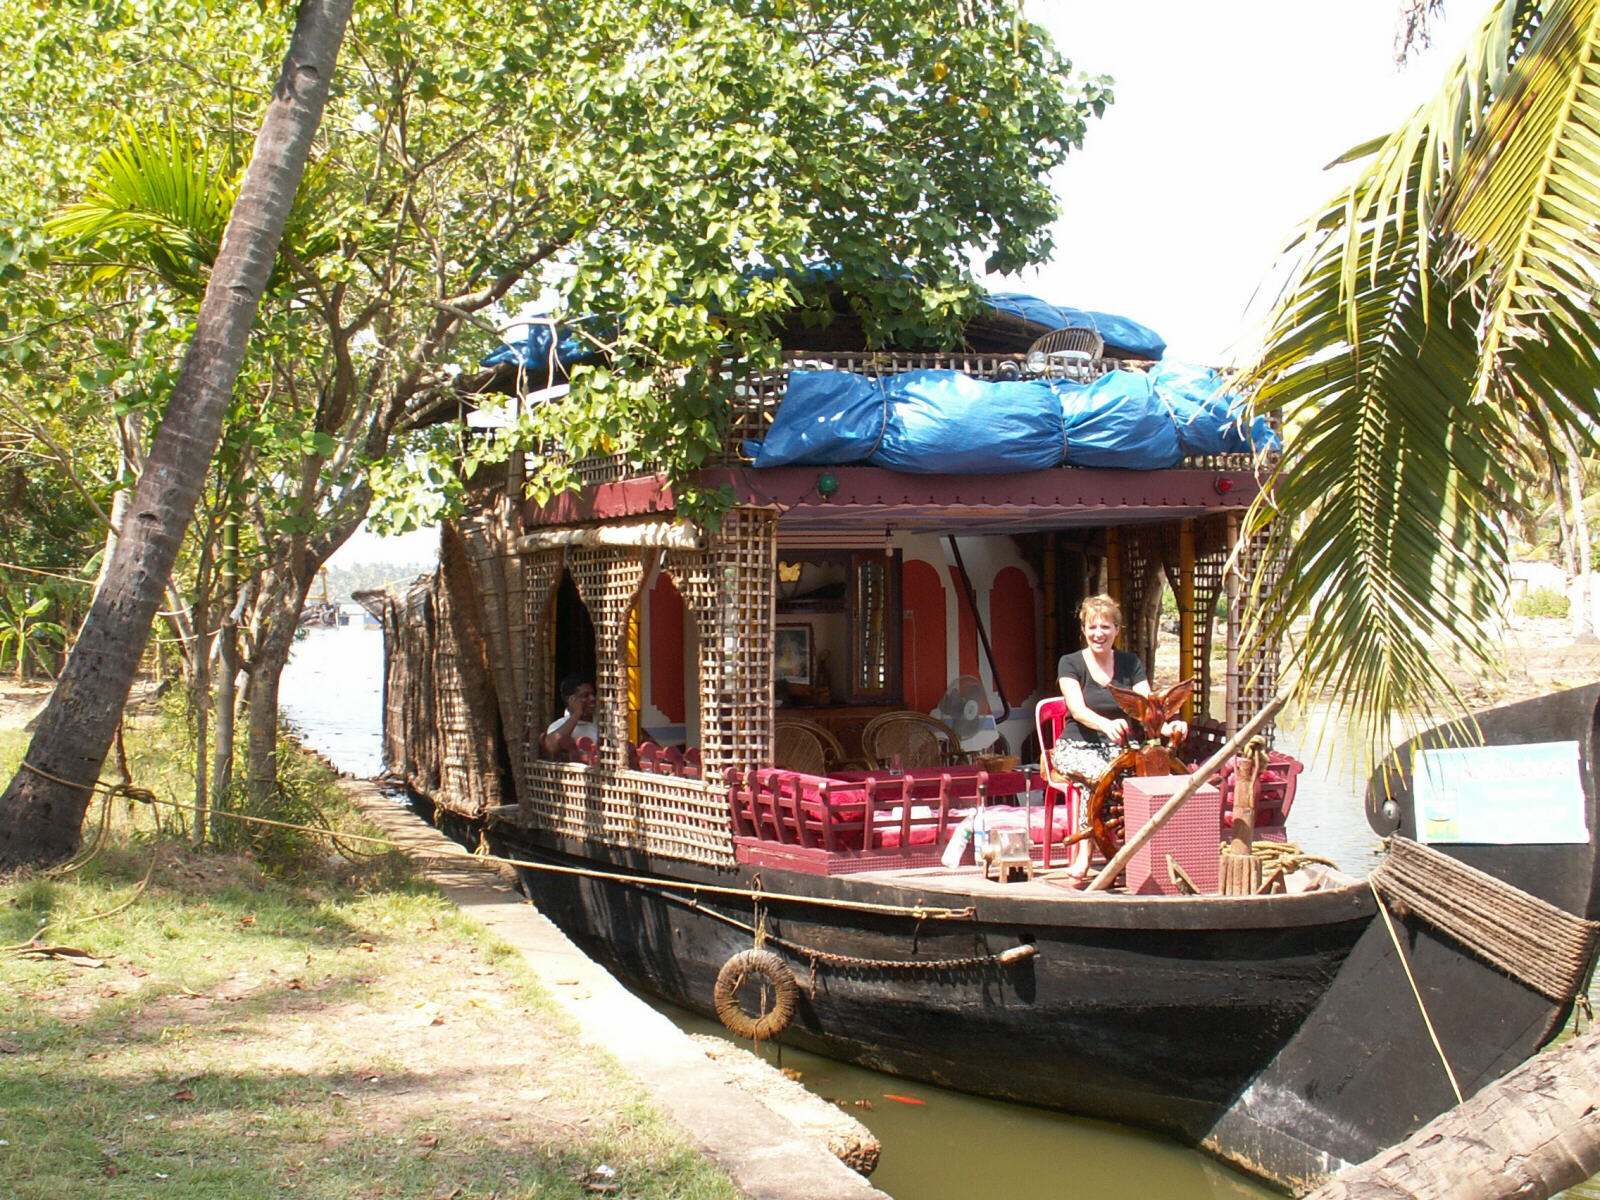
(278,1019)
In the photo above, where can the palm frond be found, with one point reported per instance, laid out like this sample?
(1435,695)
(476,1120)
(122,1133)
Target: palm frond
(156,201)
(1398,192)
(1523,201)
(1389,491)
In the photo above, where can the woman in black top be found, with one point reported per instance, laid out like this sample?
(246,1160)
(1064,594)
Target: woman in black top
(1098,727)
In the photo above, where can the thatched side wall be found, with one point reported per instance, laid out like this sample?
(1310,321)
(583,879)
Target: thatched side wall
(442,727)
(499,581)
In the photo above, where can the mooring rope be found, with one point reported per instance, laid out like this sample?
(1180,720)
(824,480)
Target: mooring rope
(1427,1021)
(1532,940)
(763,936)
(916,911)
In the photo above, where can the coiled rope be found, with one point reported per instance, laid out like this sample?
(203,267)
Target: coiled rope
(1533,941)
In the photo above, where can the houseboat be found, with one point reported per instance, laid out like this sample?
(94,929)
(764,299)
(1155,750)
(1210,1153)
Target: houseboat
(801,710)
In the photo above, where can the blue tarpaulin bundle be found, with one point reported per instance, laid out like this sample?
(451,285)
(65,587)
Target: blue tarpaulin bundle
(945,422)
(1121,334)
(1211,420)
(1118,421)
(532,353)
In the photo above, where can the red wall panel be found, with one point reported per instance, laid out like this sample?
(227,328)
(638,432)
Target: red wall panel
(666,649)
(924,661)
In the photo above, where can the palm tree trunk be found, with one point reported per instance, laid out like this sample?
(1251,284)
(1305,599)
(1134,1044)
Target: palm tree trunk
(41,812)
(1528,1134)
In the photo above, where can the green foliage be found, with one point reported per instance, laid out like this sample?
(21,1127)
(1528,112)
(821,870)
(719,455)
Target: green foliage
(1543,602)
(300,798)
(25,634)
(1435,344)
(715,153)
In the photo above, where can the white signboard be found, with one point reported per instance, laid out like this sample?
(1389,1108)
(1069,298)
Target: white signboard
(1500,794)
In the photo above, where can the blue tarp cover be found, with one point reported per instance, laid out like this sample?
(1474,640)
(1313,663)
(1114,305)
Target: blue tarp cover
(944,422)
(1119,333)
(532,353)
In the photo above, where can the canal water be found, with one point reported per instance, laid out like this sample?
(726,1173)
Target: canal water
(937,1144)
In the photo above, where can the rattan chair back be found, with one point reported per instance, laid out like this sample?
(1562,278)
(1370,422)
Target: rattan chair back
(1076,343)
(919,740)
(804,746)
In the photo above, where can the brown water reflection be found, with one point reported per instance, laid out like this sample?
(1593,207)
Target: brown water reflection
(958,1147)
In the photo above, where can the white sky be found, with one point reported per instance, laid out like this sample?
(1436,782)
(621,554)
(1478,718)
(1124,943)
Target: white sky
(1226,114)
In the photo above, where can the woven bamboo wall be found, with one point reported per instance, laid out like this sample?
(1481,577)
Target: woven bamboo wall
(442,724)
(467,726)
(498,582)
(728,592)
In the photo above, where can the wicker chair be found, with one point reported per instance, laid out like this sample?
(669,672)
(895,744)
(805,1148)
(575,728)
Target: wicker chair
(919,740)
(804,746)
(1061,350)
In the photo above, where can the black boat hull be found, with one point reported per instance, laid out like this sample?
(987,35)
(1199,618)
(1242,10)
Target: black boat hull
(1156,1012)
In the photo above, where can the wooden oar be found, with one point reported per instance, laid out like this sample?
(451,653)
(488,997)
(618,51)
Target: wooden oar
(1191,785)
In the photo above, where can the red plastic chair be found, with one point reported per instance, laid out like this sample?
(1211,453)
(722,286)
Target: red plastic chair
(1049,719)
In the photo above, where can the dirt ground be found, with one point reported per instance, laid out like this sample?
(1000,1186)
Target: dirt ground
(20,703)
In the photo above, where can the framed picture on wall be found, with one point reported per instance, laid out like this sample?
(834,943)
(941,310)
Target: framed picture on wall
(791,653)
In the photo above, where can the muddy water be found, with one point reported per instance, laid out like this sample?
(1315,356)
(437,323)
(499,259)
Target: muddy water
(949,1146)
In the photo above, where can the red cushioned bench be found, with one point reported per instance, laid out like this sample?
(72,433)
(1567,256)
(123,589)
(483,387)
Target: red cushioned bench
(827,826)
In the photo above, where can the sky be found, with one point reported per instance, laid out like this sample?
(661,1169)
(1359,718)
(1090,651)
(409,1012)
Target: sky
(1227,113)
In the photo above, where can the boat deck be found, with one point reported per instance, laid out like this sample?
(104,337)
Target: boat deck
(1055,884)
(970,881)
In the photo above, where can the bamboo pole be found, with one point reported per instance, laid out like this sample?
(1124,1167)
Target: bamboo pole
(1203,772)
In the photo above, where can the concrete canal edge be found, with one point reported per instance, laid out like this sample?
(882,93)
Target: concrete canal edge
(765,1155)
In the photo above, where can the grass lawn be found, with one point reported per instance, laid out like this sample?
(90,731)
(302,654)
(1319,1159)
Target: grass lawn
(322,1028)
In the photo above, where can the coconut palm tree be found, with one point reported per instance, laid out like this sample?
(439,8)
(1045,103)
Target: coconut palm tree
(1438,326)
(41,812)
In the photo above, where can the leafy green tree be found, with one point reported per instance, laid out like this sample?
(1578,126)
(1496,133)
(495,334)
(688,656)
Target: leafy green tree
(1437,331)
(41,812)
(669,162)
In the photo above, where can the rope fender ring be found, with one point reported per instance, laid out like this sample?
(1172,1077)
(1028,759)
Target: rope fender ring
(725,995)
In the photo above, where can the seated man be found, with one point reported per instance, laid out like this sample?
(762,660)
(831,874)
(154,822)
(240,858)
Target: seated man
(560,739)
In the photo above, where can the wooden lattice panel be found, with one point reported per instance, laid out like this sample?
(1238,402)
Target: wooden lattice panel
(1140,546)
(541,573)
(608,582)
(1211,551)
(1258,680)
(657,814)
(729,589)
